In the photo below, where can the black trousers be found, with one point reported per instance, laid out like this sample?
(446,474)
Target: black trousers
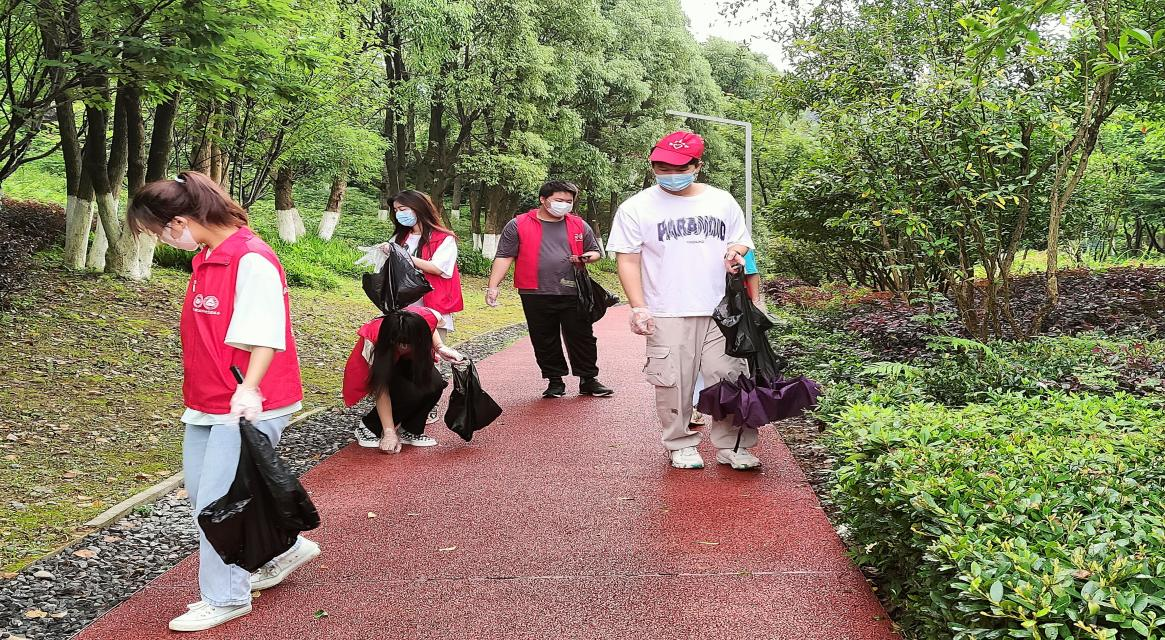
(410,404)
(553,320)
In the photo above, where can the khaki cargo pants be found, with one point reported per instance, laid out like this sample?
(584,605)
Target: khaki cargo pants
(680,349)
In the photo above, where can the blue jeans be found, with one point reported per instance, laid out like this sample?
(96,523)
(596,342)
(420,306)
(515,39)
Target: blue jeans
(210,457)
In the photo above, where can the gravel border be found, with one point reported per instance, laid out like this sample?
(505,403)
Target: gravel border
(71,590)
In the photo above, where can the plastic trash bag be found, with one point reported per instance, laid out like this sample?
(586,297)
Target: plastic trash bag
(593,299)
(264,511)
(470,407)
(744,327)
(398,283)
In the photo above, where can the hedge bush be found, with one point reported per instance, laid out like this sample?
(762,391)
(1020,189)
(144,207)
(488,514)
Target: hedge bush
(1024,518)
(26,226)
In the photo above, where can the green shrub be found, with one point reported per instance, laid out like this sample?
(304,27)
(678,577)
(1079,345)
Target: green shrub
(471,261)
(303,273)
(1023,518)
(167,256)
(814,346)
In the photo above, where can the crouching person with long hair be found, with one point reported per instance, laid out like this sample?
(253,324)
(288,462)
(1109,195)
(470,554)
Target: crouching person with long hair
(236,313)
(394,361)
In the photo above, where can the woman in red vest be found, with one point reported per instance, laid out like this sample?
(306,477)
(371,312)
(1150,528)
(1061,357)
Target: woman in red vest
(417,227)
(236,313)
(393,361)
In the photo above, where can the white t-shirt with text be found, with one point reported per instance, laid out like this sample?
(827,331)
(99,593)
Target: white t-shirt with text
(682,241)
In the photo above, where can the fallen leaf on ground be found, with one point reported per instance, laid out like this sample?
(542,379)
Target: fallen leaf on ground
(448,549)
(34,613)
(182,494)
(705,542)
(69,475)
(255,595)
(85,553)
(371,515)
(320,613)
(111,539)
(1081,574)
(8,575)
(412,514)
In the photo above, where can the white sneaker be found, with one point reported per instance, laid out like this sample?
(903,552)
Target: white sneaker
(741,459)
(202,616)
(278,569)
(433,418)
(686,458)
(365,437)
(415,440)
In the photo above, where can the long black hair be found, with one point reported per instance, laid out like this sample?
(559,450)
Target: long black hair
(402,329)
(427,216)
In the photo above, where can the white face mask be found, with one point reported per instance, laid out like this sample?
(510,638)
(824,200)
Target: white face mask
(560,209)
(185,242)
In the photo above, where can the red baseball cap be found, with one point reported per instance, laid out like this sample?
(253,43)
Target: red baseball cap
(678,148)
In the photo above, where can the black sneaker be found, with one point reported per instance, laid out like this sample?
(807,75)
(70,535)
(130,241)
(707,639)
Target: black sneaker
(592,387)
(556,389)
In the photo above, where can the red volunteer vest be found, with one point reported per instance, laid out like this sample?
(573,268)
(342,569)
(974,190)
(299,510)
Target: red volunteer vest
(446,294)
(530,246)
(357,368)
(206,315)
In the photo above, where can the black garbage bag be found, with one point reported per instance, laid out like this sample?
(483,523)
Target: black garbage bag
(470,407)
(266,507)
(593,299)
(744,327)
(399,282)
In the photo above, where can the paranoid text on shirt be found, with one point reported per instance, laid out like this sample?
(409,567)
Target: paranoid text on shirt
(706,226)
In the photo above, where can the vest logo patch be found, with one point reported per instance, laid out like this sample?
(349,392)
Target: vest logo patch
(206,304)
(211,303)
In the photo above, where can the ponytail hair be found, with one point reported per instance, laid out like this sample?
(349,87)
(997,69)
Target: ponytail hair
(402,329)
(190,195)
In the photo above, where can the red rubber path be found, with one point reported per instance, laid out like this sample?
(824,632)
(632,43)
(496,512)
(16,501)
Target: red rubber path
(561,520)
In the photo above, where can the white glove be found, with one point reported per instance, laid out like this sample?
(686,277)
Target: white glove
(389,441)
(491,296)
(449,354)
(733,262)
(247,403)
(642,322)
(373,257)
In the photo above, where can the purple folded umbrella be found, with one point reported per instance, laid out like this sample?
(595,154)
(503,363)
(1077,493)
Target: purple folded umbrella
(755,402)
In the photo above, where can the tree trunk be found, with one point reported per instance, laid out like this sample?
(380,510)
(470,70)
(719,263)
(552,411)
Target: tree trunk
(455,208)
(475,198)
(79,201)
(331,217)
(287,216)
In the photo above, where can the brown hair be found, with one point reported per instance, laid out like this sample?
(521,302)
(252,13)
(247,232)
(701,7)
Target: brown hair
(190,195)
(426,211)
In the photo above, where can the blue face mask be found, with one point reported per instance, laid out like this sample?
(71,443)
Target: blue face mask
(675,182)
(406,218)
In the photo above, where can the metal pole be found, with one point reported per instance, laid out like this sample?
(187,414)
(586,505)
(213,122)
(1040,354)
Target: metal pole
(747,154)
(748,175)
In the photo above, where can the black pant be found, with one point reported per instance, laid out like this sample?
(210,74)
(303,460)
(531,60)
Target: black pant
(410,404)
(553,320)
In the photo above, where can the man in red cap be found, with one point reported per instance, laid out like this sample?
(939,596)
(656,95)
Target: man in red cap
(674,241)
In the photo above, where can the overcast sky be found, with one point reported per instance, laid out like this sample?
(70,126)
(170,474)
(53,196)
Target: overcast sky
(749,28)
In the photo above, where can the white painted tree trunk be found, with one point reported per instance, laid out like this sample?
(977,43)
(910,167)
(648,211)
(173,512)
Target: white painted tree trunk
(95,261)
(477,242)
(382,215)
(328,224)
(108,223)
(489,245)
(602,245)
(300,230)
(142,264)
(78,223)
(286,220)
(455,214)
